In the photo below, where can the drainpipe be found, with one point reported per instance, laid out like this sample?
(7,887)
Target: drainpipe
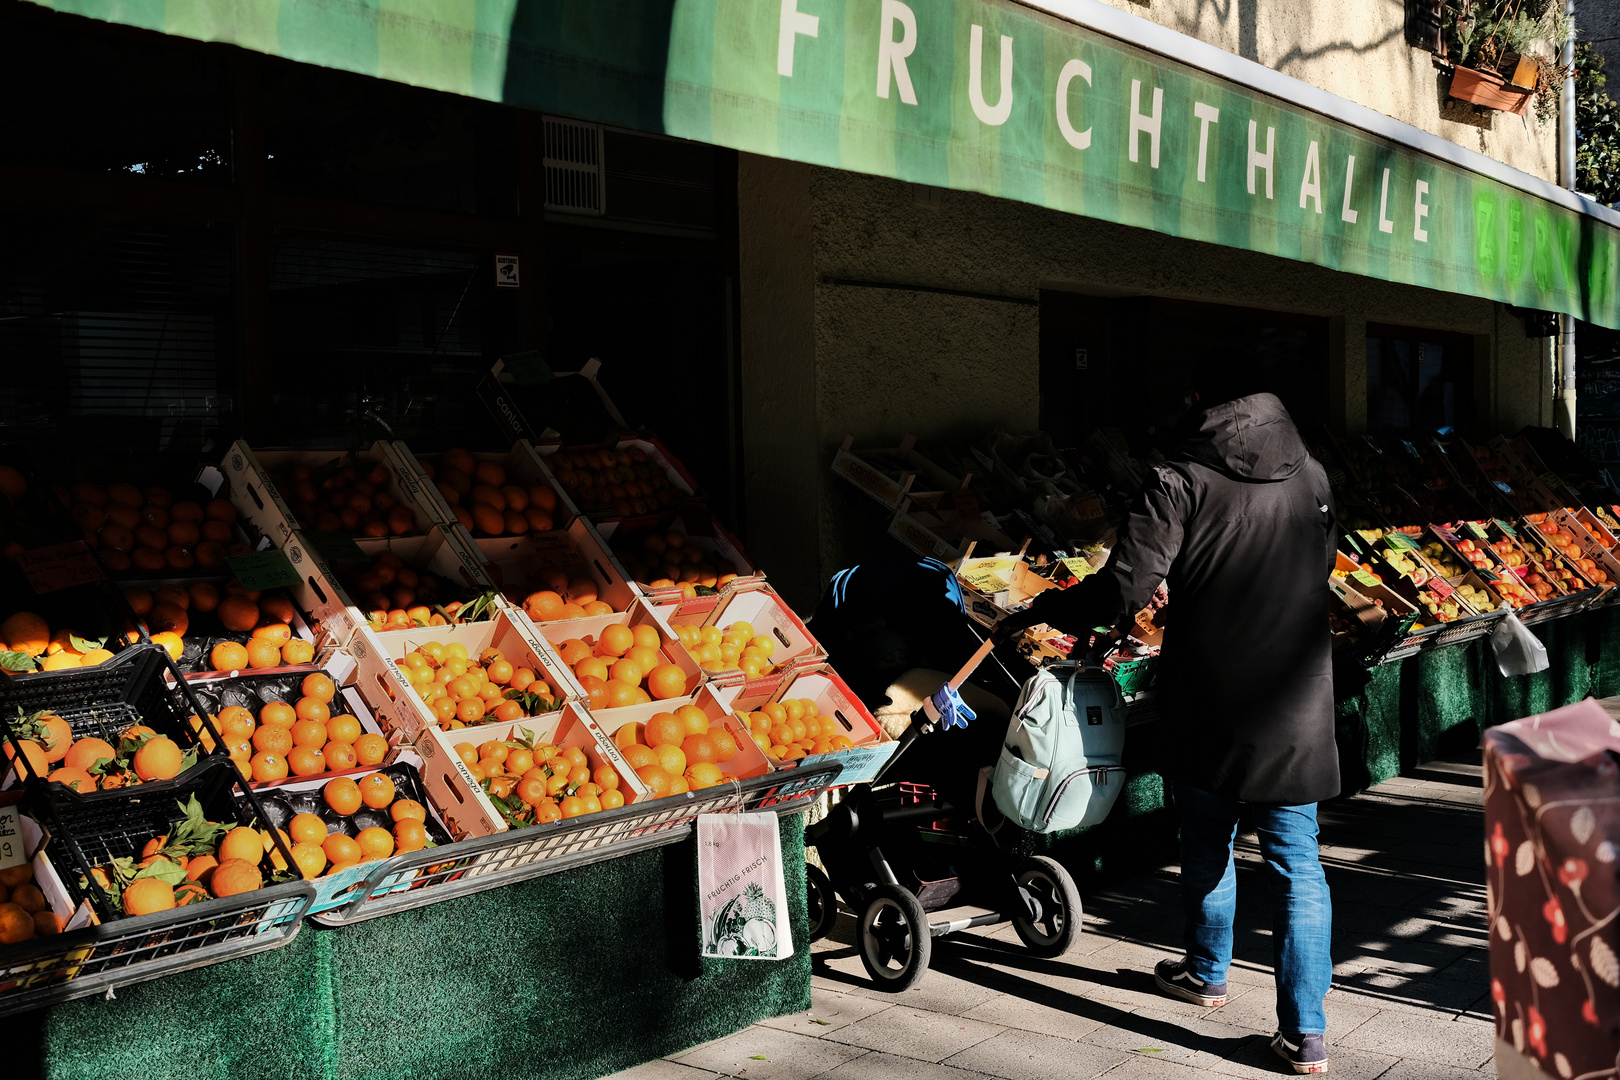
(1564,411)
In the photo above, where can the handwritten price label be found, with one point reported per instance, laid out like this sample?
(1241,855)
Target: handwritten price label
(60,566)
(1361,577)
(11,845)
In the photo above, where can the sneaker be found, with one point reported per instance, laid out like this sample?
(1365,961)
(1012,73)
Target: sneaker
(1176,979)
(1306,1053)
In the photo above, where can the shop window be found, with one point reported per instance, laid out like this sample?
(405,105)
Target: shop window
(118,103)
(338,136)
(1129,362)
(380,341)
(1418,381)
(115,338)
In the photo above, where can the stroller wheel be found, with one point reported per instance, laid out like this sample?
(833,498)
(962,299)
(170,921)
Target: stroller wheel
(823,901)
(894,939)
(1053,918)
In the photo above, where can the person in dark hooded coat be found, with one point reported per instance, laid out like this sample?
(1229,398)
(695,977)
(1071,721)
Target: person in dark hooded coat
(1238,523)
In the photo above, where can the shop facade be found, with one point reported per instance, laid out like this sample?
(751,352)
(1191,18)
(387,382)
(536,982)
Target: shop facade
(779,226)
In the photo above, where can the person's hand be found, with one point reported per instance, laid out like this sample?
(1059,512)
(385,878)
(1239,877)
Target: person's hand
(947,709)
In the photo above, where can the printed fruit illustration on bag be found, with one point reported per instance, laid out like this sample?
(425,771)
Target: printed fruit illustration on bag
(746,926)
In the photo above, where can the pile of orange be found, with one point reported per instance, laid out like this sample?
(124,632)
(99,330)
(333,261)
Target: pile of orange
(303,738)
(661,560)
(24,914)
(397,596)
(622,482)
(735,647)
(564,597)
(676,752)
(1567,546)
(196,860)
(462,691)
(29,635)
(623,666)
(351,498)
(131,528)
(534,783)
(478,494)
(91,763)
(794,728)
(318,851)
(167,611)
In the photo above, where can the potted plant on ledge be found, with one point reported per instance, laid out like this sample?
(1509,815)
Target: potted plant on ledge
(1505,53)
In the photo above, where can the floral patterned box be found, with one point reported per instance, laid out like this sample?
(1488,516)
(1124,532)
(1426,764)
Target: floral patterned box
(1552,844)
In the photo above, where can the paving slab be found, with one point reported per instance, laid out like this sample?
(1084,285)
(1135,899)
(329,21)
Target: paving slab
(877,1066)
(663,1070)
(1024,1055)
(829,1010)
(762,1053)
(1418,1035)
(915,1033)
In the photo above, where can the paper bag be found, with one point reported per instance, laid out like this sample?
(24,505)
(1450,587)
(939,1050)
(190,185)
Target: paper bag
(742,894)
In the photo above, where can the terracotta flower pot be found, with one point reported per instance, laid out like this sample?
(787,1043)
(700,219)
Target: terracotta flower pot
(1487,89)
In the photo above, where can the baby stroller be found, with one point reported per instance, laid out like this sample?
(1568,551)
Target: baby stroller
(912,841)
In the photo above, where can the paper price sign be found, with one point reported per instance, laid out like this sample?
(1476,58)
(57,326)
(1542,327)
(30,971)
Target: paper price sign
(989,576)
(263,570)
(1361,577)
(60,566)
(1079,567)
(1506,528)
(1399,541)
(1477,529)
(11,843)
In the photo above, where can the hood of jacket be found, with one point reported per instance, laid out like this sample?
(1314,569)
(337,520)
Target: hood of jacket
(1251,438)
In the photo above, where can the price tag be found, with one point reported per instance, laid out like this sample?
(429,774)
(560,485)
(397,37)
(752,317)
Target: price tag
(1399,541)
(1361,577)
(60,566)
(1440,587)
(1506,528)
(1477,529)
(263,570)
(11,842)
(336,547)
(1080,568)
(989,576)
(1486,576)
(1355,543)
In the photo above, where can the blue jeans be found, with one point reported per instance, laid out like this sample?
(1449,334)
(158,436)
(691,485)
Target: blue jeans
(1301,910)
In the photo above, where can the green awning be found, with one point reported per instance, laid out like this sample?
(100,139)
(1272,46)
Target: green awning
(976,95)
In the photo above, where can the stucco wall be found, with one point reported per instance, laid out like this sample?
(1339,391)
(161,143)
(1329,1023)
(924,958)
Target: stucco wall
(1357,50)
(897,347)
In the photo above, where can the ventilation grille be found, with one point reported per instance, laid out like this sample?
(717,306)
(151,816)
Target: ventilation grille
(573,165)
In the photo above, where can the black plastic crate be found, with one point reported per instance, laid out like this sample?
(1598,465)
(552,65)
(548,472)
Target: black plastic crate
(139,685)
(90,831)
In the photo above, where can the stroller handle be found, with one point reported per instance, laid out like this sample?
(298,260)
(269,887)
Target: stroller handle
(920,722)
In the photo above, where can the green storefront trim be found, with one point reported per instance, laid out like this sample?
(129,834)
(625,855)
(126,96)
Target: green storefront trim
(975,95)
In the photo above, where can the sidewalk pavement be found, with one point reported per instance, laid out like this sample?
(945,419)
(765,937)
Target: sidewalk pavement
(1410,997)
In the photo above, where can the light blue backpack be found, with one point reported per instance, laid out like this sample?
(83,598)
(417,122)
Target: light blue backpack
(1060,764)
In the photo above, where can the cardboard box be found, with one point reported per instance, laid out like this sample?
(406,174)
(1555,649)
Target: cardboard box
(750,760)
(466,807)
(577,551)
(522,465)
(698,528)
(639,613)
(323,595)
(256,498)
(834,698)
(887,475)
(998,585)
(602,508)
(755,602)
(400,708)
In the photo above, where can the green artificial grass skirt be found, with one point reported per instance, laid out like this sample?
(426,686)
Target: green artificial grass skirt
(567,977)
